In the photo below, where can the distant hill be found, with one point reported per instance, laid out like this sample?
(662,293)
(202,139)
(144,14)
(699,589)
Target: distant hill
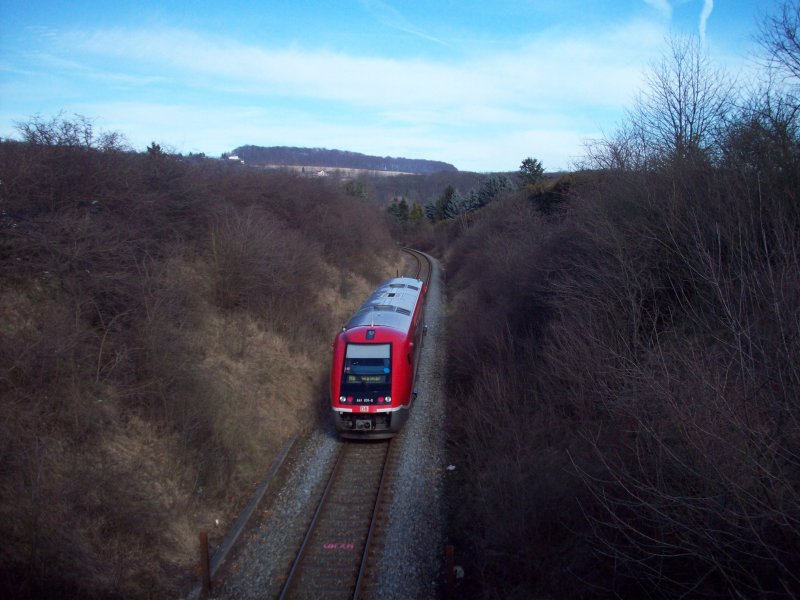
(332,159)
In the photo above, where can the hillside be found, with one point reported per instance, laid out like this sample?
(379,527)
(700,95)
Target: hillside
(339,159)
(624,359)
(165,327)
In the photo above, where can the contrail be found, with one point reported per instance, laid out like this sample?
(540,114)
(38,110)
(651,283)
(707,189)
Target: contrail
(391,17)
(708,6)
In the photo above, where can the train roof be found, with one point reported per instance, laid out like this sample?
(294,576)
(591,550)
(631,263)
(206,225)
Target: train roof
(392,305)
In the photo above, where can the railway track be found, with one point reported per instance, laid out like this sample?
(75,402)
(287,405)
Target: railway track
(332,561)
(423,265)
(334,557)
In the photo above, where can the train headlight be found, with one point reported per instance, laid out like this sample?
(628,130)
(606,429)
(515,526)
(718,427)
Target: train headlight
(388,399)
(342,400)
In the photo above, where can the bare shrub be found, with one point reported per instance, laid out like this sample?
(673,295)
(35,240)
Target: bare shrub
(509,434)
(86,526)
(254,258)
(63,516)
(261,265)
(78,132)
(682,281)
(61,162)
(647,345)
(666,360)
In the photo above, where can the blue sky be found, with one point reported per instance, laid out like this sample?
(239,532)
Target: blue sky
(478,84)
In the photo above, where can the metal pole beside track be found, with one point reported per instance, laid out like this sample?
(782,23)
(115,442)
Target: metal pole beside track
(204,568)
(449,572)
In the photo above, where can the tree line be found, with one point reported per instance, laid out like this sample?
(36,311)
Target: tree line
(322,157)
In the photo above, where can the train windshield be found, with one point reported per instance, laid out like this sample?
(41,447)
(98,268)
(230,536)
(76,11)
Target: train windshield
(367,370)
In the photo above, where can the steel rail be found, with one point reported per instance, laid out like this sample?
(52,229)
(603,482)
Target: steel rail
(308,576)
(373,523)
(420,257)
(301,553)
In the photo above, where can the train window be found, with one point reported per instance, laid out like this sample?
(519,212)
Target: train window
(368,351)
(367,371)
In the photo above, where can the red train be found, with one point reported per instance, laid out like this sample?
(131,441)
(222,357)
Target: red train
(374,361)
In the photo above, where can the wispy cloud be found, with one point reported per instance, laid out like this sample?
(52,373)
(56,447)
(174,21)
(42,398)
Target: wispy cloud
(536,97)
(708,6)
(593,70)
(662,6)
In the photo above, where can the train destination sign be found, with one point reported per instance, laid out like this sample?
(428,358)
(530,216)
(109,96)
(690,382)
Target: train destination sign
(366,378)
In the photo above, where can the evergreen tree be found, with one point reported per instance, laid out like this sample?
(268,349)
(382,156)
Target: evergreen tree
(399,210)
(415,215)
(492,186)
(531,171)
(444,201)
(458,205)
(431,212)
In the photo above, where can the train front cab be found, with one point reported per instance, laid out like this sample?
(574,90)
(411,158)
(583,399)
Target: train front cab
(374,368)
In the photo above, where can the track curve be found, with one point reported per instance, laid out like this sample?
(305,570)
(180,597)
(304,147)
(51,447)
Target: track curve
(333,559)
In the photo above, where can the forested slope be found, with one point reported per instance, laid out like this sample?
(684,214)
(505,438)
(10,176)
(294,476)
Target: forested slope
(322,157)
(624,363)
(166,323)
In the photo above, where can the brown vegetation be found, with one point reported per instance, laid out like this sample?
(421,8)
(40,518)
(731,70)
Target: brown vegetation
(165,327)
(624,364)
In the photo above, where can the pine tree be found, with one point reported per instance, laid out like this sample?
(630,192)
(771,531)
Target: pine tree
(531,171)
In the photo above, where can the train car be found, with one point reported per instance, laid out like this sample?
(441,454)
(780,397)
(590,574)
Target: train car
(375,357)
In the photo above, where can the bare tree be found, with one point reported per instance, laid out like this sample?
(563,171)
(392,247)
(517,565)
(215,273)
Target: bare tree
(685,104)
(686,101)
(679,115)
(779,38)
(623,150)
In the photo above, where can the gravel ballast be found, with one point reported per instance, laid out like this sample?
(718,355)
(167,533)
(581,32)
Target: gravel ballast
(410,558)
